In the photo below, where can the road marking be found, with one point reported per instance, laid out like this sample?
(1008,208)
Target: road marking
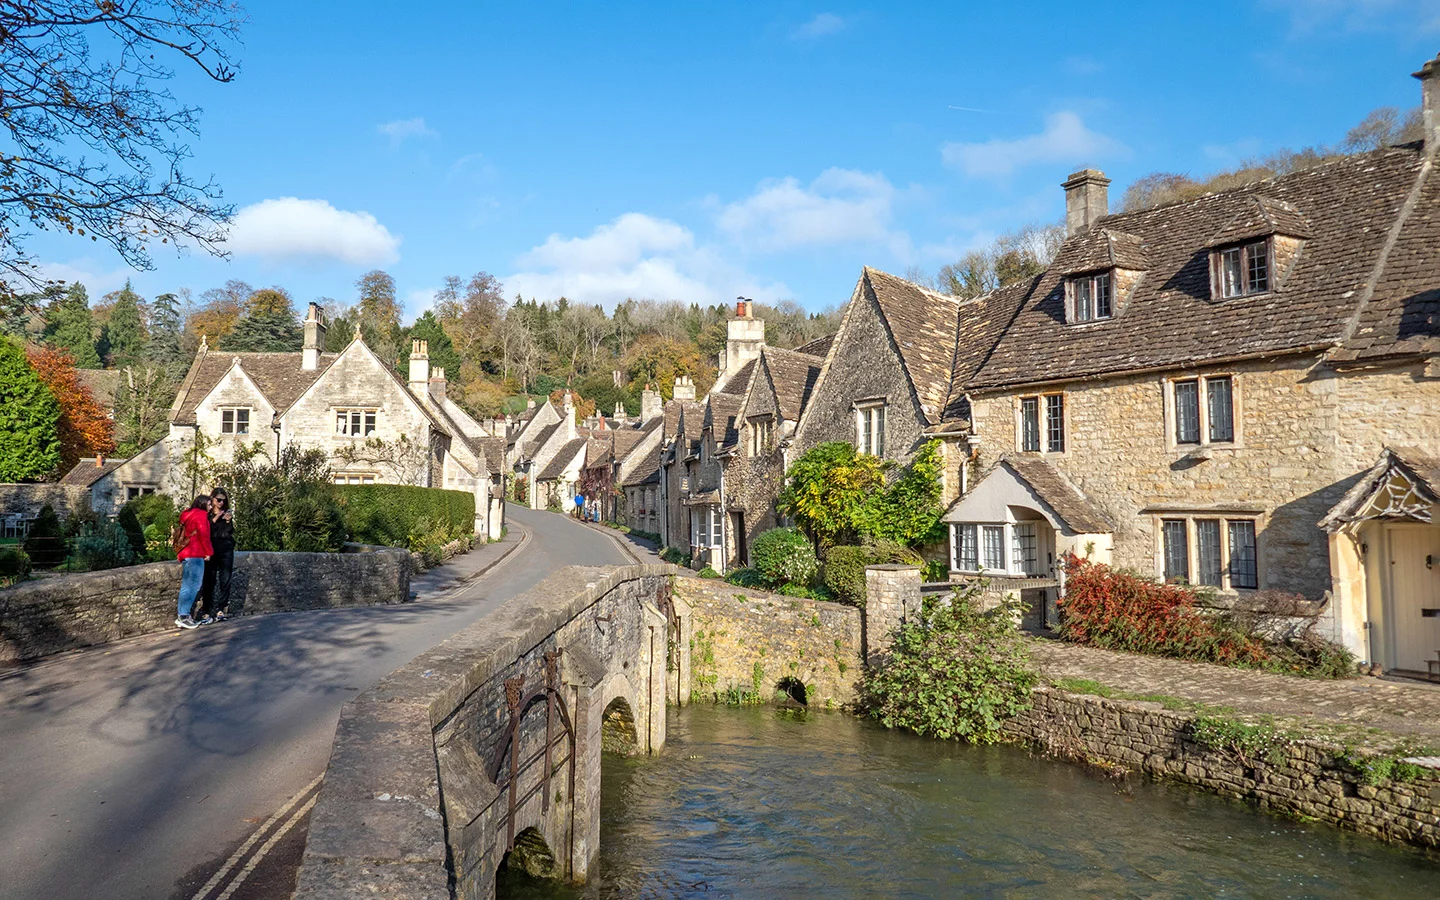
(266,847)
(504,560)
(239,854)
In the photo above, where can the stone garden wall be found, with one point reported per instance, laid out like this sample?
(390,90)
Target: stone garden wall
(62,612)
(28,499)
(1300,778)
(749,641)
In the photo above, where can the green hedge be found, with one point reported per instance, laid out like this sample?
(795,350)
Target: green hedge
(397,515)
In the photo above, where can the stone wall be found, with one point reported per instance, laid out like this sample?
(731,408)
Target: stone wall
(1306,778)
(742,634)
(27,499)
(62,612)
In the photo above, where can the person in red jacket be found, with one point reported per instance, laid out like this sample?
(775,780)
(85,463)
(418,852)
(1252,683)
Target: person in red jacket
(193,549)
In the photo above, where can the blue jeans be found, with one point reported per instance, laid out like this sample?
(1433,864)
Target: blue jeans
(192,574)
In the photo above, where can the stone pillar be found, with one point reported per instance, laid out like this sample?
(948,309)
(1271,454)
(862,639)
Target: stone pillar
(585,676)
(892,596)
(650,724)
(680,679)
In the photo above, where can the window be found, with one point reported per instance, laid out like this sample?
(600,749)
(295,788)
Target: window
(705,527)
(354,478)
(1187,412)
(1030,424)
(717,534)
(235,420)
(1222,555)
(1177,551)
(1055,423)
(1244,270)
(870,429)
(1091,297)
(967,552)
(355,422)
(761,434)
(1025,548)
(133,491)
(1203,408)
(992,542)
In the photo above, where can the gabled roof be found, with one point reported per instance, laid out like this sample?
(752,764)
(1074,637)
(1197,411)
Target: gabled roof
(1080,515)
(562,460)
(1353,205)
(278,376)
(540,440)
(1260,217)
(720,415)
(86,473)
(981,321)
(736,383)
(1375,494)
(922,323)
(793,376)
(1102,248)
(819,347)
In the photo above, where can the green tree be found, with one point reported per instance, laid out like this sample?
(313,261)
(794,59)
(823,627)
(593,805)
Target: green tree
(826,491)
(265,331)
(69,326)
(29,440)
(442,351)
(378,313)
(125,332)
(166,332)
(908,511)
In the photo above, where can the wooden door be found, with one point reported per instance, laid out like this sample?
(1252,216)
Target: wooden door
(1413,601)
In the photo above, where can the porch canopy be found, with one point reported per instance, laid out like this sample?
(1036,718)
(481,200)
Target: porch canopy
(1404,485)
(1030,483)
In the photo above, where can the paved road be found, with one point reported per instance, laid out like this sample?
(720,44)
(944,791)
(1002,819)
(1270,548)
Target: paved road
(134,770)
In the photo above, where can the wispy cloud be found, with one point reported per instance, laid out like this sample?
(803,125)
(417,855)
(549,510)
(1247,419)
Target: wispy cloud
(402,129)
(291,228)
(840,206)
(822,25)
(1065,140)
(1405,16)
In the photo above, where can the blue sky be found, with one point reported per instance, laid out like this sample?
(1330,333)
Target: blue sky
(702,151)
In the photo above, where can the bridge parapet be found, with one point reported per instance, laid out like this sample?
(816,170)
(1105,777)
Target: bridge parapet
(496,732)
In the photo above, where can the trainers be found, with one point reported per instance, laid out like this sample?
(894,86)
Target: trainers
(185,622)
(221,616)
(205,620)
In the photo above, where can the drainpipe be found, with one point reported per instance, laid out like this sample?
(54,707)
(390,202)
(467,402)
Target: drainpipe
(275,427)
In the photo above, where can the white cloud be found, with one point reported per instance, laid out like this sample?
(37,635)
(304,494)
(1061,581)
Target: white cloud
(636,256)
(401,129)
(291,228)
(98,280)
(823,25)
(840,206)
(1065,140)
(1405,16)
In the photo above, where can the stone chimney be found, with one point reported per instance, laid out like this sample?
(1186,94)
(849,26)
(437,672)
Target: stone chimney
(1086,200)
(619,410)
(419,364)
(99,460)
(684,388)
(314,338)
(652,405)
(1429,76)
(437,385)
(746,338)
(567,415)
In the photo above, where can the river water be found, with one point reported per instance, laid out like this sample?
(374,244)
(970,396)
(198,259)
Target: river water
(775,804)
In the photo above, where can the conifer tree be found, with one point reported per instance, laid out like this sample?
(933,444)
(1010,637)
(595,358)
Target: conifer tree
(29,444)
(166,328)
(442,352)
(125,333)
(69,326)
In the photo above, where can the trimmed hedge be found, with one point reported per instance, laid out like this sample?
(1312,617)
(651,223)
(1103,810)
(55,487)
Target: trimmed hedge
(844,572)
(784,556)
(399,515)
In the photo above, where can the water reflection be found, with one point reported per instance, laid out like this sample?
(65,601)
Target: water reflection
(760,803)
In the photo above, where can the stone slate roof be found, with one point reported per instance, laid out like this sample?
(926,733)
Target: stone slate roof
(981,321)
(541,439)
(922,323)
(1351,204)
(562,460)
(1420,466)
(647,466)
(1102,248)
(819,347)
(493,449)
(87,473)
(277,375)
(793,375)
(1080,515)
(720,414)
(736,384)
(1259,217)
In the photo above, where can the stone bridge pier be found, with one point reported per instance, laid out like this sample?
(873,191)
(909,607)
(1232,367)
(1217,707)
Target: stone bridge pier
(492,741)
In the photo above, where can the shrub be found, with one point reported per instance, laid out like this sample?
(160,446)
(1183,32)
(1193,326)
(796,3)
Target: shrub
(674,556)
(44,544)
(708,572)
(290,505)
(844,572)
(14,565)
(101,547)
(156,514)
(956,672)
(747,578)
(397,515)
(784,556)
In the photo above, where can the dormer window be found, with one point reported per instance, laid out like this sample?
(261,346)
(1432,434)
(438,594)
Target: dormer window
(1091,297)
(1245,269)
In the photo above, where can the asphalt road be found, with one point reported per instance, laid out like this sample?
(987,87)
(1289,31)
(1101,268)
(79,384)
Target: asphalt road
(136,769)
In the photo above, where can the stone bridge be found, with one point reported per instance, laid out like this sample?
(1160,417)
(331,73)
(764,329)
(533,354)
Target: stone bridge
(494,738)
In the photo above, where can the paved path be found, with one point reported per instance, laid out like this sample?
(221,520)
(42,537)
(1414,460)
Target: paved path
(135,769)
(1352,706)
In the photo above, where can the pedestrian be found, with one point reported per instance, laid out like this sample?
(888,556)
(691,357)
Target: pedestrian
(192,548)
(214,604)
(579,505)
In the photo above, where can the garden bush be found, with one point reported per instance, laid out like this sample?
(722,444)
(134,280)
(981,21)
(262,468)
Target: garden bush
(146,520)
(708,572)
(14,565)
(784,556)
(674,556)
(45,544)
(956,672)
(290,506)
(396,515)
(747,578)
(99,547)
(844,572)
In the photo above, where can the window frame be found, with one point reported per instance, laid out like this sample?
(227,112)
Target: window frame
(368,418)
(762,432)
(1247,258)
(1238,571)
(971,544)
(354,478)
(1083,293)
(1206,389)
(233,414)
(1046,432)
(870,427)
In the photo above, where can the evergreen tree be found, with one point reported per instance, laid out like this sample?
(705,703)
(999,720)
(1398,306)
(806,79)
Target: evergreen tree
(265,331)
(29,442)
(68,325)
(142,407)
(379,313)
(166,327)
(442,351)
(125,333)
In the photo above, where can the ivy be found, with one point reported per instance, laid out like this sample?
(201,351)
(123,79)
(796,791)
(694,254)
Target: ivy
(839,496)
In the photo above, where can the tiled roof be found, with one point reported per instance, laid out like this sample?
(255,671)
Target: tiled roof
(1261,216)
(562,460)
(540,440)
(494,450)
(981,322)
(793,375)
(1417,464)
(720,414)
(737,383)
(87,473)
(1170,320)
(647,469)
(277,375)
(599,451)
(1101,248)
(819,347)
(923,325)
(1080,515)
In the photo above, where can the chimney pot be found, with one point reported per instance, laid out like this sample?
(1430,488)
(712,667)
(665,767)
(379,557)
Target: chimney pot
(1086,200)
(100,460)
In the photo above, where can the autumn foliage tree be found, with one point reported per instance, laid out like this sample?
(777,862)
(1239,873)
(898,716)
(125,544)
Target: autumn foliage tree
(83,427)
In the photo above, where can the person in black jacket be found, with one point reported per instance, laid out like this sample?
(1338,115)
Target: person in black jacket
(215,589)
